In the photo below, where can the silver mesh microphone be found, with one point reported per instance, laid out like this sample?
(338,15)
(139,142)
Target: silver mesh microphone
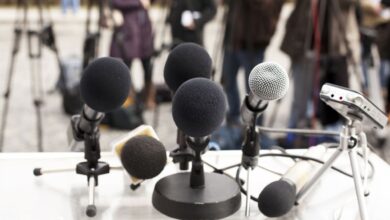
(267,81)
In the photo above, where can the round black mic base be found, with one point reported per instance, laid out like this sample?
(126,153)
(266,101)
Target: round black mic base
(220,198)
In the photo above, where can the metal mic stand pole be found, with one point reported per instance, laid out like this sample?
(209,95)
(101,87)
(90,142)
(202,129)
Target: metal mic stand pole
(250,157)
(349,140)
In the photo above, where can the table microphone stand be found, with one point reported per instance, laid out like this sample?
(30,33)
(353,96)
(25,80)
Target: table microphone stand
(196,194)
(349,140)
(92,167)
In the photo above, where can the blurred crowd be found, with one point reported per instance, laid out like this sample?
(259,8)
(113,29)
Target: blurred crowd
(326,41)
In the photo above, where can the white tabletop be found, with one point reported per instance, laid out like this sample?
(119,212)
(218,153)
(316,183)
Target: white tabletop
(64,196)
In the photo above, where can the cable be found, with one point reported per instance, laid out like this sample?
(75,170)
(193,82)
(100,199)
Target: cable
(299,131)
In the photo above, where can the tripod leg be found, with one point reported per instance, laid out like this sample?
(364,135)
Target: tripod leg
(41,171)
(363,144)
(248,192)
(358,184)
(7,93)
(35,47)
(91,208)
(318,175)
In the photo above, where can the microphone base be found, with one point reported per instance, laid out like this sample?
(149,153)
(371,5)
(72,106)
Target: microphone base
(220,198)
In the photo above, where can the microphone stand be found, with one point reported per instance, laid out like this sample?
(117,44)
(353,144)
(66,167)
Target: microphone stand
(196,194)
(92,167)
(350,139)
(251,147)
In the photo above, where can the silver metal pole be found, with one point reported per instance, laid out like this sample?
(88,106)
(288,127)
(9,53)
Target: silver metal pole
(358,184)
(59,170)
(318,175)
(248,192)
(91,186)
(344,137)
(363,145)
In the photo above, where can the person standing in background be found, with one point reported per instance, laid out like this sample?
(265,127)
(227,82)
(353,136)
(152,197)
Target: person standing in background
(322,40)
(133,39)
(188,18)
(66,3)
(250,26)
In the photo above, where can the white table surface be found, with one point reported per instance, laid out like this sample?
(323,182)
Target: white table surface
(64,196)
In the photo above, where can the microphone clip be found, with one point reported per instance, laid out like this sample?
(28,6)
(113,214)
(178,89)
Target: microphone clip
(250,148)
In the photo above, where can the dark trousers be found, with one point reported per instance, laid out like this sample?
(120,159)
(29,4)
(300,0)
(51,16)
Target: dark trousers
(147,67)
(232,62)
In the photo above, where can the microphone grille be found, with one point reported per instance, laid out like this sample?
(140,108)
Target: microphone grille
(269,81)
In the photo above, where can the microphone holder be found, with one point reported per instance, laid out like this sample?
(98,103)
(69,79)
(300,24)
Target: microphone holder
(92,168)
(350,139)
(183,154)
(196,194)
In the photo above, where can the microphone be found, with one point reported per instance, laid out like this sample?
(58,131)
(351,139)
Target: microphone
(104,87)
(184,62)
(152,154)
(143,157)
(198,109)
(278,197)
(267,81)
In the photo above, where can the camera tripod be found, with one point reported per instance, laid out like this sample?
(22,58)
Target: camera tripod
(350,139)
(42,34)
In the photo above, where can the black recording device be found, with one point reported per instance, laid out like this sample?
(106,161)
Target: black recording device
(198,109)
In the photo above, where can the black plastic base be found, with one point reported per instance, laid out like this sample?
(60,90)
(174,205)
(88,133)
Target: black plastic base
(220,198)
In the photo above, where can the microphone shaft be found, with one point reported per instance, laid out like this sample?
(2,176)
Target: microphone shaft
(251,107)
(89,119)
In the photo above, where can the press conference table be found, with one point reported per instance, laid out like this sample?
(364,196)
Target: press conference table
(64,196)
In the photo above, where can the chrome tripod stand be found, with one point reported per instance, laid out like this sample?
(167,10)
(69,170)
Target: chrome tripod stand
(350,140)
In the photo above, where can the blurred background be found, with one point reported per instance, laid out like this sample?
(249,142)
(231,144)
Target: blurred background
(45,44)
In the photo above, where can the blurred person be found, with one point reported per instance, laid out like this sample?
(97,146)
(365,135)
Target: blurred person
(250,26)
(75,4)
(370,17)
(322,41)
(383,42)
(188,18)
(133,39)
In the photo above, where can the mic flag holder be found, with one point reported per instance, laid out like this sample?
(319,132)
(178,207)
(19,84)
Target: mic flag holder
(196,194)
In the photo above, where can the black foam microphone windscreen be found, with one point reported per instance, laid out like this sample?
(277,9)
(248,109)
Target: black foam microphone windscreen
(199,107)
(277,199)
(143,157)
(186,61)
(105,84)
